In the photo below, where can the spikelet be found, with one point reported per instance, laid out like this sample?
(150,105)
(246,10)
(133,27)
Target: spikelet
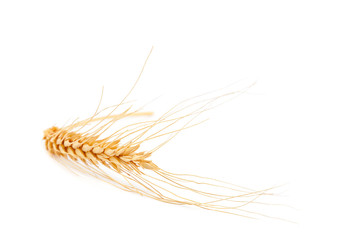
(118,159)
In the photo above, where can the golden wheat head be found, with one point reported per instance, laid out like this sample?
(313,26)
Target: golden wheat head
(117,157)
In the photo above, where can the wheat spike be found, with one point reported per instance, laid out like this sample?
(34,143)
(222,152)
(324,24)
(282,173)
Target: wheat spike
(117,159)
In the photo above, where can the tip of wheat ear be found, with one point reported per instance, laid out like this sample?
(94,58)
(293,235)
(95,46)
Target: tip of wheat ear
(76,146)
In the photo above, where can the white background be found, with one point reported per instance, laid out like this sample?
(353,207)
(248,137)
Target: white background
(298,125)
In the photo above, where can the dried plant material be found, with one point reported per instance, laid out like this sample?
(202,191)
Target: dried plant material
(118,158)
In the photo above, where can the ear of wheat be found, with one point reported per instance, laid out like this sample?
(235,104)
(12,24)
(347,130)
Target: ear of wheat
(117,159)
